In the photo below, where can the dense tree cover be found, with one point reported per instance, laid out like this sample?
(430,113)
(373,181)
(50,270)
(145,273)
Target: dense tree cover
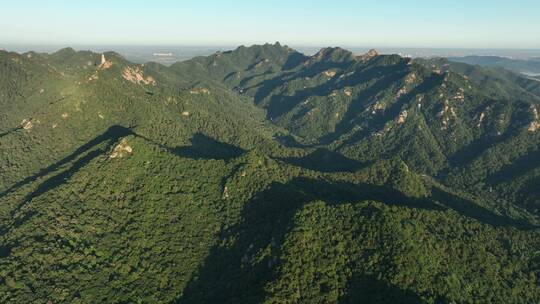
(264,175)
(456,122)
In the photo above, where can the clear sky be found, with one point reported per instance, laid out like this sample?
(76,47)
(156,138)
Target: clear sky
(377,23)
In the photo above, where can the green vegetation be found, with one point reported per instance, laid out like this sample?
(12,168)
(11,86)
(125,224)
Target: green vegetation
(262,175)
(518,65)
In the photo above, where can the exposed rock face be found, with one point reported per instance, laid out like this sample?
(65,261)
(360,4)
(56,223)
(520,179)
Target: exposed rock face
(93,77)
(460,95)
(121,149)
(226,192)
(402,116)
(199,91)
(329,73)
(27,124)
(378,106)
(534,126)
(136,75)
(401,92)
(411,78)
(446,114)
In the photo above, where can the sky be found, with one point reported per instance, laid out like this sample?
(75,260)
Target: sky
(374,23)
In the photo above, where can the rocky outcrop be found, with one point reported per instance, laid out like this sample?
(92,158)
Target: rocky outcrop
(367,56)
(535,124)
(136,75)
(402,117)
(329,73)
(121,149)
(105,64)
(27,124)
(198,91)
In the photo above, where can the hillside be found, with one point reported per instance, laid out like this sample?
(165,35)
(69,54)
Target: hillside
(530,66)
(441,118)
(262,175)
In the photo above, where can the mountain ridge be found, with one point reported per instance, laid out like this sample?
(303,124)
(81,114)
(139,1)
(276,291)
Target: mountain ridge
(230,178)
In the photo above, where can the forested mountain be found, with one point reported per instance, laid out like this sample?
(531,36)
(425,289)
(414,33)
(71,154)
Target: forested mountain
(531,66)
(262,175)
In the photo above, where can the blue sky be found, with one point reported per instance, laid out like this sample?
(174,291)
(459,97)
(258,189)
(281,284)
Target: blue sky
(390,23)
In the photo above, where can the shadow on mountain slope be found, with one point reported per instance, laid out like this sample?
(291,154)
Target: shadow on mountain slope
(348,121)
(265,88)
(204,147)
(528,195)
(50,184)
(227,276)
(290,142)
(294,60)
(474,211)
(392,74)
(428,84)
(78,159)
(476,148)
(520,166)
(324,160)
(232,274)
(5,133)
(367,289)
(113,133)
(280,104)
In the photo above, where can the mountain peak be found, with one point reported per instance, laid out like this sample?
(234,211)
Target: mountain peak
(68,50)
(257,48)
(370,54)
(333,54)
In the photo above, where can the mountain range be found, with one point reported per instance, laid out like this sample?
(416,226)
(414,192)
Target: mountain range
(263,175)
(527,66)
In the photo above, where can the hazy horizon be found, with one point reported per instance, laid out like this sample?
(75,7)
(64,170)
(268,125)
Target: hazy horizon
(392,24)
(173,53)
